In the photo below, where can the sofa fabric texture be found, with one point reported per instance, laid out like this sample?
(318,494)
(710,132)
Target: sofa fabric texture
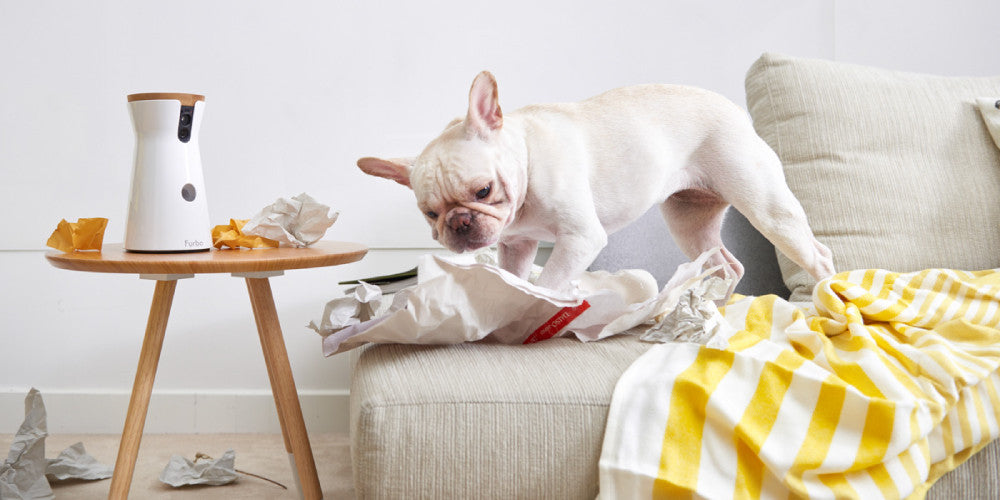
(484,420)
(895,170)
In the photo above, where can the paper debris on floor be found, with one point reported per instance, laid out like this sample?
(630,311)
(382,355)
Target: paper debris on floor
(75,463)
(26,473)
(22,475)
(213,472)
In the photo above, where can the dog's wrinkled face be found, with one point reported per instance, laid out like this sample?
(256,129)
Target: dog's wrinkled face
(462,191)
(466,180)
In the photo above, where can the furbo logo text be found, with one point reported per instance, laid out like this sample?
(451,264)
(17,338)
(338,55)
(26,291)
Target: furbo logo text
(193,243)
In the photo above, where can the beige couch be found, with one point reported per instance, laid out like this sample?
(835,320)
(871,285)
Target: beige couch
(895,171)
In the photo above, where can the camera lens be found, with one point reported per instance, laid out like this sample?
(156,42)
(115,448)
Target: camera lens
(184,123)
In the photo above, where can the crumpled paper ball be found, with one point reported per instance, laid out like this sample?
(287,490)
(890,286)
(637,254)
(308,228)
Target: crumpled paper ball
(84,234)
(233,236)
(695,318)
(213,472)
(299,221)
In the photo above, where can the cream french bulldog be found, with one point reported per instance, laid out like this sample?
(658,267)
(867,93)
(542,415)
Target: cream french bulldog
(574,173)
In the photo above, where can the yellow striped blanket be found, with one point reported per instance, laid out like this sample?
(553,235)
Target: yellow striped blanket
(883,385)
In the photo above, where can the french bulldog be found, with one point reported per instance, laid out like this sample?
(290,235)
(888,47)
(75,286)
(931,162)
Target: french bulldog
(572,173)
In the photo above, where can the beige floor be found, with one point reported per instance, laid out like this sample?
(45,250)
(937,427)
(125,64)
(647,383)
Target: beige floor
(261,454)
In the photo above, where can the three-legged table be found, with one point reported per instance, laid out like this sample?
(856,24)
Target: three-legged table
(255,266)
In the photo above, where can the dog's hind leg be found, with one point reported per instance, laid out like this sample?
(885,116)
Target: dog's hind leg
(755,185)
(694,219)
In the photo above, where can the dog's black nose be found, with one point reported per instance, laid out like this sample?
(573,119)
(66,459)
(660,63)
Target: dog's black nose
(460,223)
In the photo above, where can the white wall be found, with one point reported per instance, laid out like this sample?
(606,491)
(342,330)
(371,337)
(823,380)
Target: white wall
(296,92)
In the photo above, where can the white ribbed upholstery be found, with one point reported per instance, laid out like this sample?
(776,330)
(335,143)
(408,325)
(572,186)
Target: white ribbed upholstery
(483,420)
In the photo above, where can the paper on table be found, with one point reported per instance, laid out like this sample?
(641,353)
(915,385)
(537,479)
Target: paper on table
(183,472)
(22,474)
(84,234)
(232,236)
(455,302)
(299,221)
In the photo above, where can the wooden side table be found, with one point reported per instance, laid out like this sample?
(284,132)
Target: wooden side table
(255,266)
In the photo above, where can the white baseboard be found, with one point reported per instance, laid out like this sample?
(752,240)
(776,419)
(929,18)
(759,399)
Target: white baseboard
(177,412)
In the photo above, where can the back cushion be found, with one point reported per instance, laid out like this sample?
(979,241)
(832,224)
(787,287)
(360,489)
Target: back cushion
(895,170)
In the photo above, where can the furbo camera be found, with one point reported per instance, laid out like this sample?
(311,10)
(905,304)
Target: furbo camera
(167,210)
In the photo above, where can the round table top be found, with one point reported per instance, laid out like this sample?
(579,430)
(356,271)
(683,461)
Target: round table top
(114,259)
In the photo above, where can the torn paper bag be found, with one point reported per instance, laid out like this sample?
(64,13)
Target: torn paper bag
(22,475)
(455,302)
(213,472)
(299,221)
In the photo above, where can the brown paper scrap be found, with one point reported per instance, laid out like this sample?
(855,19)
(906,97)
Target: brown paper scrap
(231,235)
(84,234)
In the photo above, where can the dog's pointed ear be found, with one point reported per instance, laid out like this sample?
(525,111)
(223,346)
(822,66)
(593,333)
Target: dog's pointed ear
(396,169)
(484,115)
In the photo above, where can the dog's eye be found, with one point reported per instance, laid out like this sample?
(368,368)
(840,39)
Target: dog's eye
(483,193)
(431,214)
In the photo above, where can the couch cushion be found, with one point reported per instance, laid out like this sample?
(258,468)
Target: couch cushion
(483,420)
(895,170)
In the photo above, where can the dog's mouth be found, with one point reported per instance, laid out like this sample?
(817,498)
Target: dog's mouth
(465,229)
(465,244)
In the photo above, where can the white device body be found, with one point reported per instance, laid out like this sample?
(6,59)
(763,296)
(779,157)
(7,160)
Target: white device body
(168,211)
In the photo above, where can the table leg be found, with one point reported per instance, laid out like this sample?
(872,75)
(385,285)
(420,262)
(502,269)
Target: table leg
(135,419)
(286,398)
